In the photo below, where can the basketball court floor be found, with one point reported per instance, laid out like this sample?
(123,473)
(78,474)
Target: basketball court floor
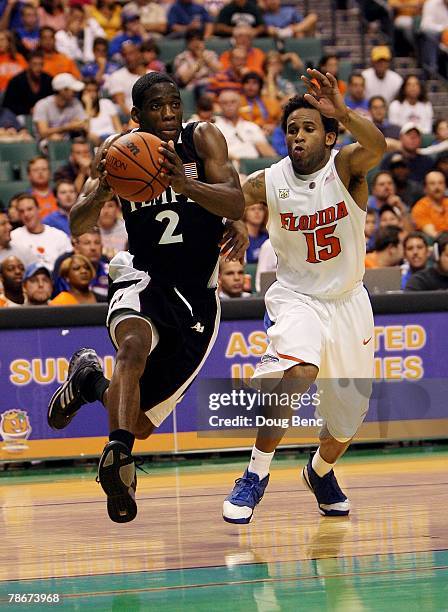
(390,554)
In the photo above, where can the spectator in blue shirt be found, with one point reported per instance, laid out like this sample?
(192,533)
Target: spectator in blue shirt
(185,15)
(287,21)
(132,32)
(66,195)
(9,121)
(11,15)
(28,34)
(101,66)
(355,98)
(255,220)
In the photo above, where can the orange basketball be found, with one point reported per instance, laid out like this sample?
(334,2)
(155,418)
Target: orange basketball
(133,169)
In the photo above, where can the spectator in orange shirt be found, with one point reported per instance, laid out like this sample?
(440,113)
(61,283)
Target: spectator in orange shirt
(39,178)
(430,214)
(11,62)
(243,36)
(78,271)
(388,249)
(262,110)
(230,78)
(54,62)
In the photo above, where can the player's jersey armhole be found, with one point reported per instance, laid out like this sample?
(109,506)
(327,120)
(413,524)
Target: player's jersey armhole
(348,197)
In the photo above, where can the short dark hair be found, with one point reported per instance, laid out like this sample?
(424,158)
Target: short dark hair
(354,75)
(371,211)
(373,98)
(33,160)
(99,40)
(46,29)
(62,181)
(325,58)
(193,34)
(387,236)
(150,45)
(296,102)
(145,82)
(416,234)
(26,196)
(388,208)
(36,53)
(82,139)
(375,178)
(204,103)
(249,76)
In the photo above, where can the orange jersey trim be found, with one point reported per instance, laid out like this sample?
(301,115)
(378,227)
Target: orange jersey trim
(291,358)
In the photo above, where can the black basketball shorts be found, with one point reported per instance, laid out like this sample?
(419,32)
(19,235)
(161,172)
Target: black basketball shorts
(184,330)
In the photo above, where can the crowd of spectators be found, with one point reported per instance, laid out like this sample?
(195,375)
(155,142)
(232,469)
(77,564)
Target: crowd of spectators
(67,68)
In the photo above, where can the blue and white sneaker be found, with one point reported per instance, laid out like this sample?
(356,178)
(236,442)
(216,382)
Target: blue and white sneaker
(248,491)
(330,499)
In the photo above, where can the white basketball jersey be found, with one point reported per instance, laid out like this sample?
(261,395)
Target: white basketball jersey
(316,229)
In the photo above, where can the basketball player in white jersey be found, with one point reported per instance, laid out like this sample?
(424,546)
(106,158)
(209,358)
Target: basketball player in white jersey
(322,321)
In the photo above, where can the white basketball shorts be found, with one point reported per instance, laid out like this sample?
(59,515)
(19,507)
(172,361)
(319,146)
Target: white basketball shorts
(336,335)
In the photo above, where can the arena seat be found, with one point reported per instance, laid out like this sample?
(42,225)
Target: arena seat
(309,49)
(247,166)
(345,69)
(6,173)
(16,152)
(218,45)
(251,268)
(12,188)
(189,102)
(265,44)
(59,150)
(169,49)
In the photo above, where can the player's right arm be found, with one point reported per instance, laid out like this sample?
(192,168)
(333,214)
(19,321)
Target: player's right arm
(84,214)
(254,188)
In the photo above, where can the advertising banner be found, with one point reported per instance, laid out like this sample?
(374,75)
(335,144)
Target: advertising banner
(409,350)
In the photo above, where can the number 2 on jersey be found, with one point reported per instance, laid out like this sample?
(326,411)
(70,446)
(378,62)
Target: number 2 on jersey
(168,236)
(331,245)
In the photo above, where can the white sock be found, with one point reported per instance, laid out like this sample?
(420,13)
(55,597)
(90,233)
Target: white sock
(260,462)
(320,466)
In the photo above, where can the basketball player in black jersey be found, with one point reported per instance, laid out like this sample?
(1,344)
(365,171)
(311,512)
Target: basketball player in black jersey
(163,308)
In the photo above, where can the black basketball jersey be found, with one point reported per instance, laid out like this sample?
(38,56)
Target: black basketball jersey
(171,237)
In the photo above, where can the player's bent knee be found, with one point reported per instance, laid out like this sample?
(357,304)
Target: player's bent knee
(132,353)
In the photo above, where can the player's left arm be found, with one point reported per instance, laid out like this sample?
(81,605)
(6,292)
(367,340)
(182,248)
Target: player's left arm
(221,194)
(353,161)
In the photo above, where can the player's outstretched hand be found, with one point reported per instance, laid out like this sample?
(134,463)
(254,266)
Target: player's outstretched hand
(172,166)
(323,93)
(235,241)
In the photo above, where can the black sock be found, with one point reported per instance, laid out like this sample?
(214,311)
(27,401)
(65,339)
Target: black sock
(121,435)
(94,385)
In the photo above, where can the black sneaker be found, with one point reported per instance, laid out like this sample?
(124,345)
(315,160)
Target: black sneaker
(68,398)
(116,474)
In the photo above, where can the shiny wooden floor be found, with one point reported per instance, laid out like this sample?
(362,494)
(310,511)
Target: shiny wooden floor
(390,554)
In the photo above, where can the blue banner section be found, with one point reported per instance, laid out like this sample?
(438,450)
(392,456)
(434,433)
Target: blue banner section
(411,348)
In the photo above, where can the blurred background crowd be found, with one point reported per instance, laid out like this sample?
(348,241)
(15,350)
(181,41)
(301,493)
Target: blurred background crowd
(67,68)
